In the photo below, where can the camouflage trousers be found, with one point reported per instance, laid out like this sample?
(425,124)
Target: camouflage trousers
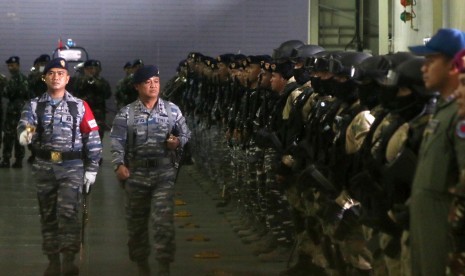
(10,138)
(150,196)
(278,217)
(60,205)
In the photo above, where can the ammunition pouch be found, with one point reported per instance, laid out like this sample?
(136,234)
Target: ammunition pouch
(400,171)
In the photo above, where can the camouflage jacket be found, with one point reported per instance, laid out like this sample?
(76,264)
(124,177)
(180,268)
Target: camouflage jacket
(17,92)
(150,130)
(57,123)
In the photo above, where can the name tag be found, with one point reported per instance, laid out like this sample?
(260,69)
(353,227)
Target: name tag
(432,127)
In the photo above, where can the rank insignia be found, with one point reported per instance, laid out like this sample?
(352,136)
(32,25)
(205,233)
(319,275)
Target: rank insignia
(460,129)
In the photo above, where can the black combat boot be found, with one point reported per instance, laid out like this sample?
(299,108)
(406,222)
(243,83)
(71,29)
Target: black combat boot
(163,268)
(303,267)
(143,268)
(4,164)
(31,159)
(54,267)
(18,164)
(69,268)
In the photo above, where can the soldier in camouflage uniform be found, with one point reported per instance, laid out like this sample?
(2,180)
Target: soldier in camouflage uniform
(125,92)
(3,82)
(17,93)
(119,96)
(95,90)
(65,137)
(37,86)
(144,136)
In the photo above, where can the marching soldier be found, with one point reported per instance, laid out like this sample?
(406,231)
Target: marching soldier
(64,134)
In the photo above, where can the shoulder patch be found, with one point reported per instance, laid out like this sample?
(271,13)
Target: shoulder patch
(460,129)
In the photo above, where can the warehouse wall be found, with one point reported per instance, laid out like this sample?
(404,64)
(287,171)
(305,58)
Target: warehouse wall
(158,31)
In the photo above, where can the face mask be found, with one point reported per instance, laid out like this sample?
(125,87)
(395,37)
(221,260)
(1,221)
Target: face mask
(368,95)
(344,91)
(387,97)
(316,84)
(301,75)
(326,87)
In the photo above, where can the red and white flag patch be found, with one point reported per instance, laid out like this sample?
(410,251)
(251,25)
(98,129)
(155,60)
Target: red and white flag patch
(88,123)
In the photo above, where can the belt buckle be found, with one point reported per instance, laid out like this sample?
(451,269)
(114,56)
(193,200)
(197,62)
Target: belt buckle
(55,156)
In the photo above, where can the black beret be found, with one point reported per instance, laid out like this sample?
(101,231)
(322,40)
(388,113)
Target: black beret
(285,69)
(225,58)
(145,72)
(56,63)
(266,65)
(92,62)
(12,59)
(254,60)
(137,62)
(235,65)
(42,58)
(209,61)
(194,55)
(127,65)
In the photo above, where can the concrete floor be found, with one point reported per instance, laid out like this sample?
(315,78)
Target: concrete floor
(105,251)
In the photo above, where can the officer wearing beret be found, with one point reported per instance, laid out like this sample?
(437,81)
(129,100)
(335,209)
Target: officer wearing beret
(17,93)
(440,158)
(144,136)
(64,134)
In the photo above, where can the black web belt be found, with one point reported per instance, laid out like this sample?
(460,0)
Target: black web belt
(57,156)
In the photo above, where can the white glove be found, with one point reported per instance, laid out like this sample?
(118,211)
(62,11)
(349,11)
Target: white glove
(25,138)
(89,180)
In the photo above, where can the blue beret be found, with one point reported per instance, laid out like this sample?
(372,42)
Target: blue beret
(127,65)
(56,63)
(12,59)
(446,41)
(145,72)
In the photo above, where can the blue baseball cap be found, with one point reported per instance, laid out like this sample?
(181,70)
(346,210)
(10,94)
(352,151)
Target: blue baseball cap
(446,41)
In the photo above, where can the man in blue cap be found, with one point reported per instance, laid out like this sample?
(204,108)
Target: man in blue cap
(144,137)
(441,156)
(64,134)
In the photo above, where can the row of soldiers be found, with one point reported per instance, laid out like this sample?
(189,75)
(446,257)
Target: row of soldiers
(314,149)
(19,88)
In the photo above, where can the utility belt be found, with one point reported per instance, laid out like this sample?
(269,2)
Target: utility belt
(150,163)
(57,156)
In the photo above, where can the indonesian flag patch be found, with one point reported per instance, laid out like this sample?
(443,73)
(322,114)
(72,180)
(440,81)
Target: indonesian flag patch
(88,122)
(460,129)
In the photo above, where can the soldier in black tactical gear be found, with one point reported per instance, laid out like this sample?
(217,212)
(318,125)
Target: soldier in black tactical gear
(17,92)
(388,153)
(95,90)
